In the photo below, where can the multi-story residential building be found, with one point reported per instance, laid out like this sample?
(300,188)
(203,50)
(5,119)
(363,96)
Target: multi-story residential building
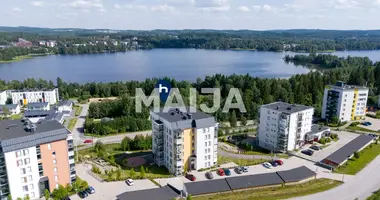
(38,106)
(24,97)
(3,97)
(184,141)
(34,157)
(65,105)
(346,102)
(283,126)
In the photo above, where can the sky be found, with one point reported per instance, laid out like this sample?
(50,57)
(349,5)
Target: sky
(192,14)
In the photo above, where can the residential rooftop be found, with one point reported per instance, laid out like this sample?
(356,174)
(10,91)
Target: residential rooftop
(38,104)
(9,106)
(65,103)
(286,107)
(343,86)
(34,90)
(316,128)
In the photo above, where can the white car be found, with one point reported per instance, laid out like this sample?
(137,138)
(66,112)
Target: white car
(267,165)
(130,182)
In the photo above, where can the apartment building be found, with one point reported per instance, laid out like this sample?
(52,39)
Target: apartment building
(283,127)
(38,106)
(346,102)
(24,97)
(34,157)
(184,141)
(3,97)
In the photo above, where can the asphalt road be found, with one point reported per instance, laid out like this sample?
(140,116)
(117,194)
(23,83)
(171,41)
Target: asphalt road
(78,131)
(363,185)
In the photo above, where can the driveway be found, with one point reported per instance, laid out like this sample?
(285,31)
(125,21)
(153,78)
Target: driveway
(344,138)
(78,131)
(363,185)
(109,190)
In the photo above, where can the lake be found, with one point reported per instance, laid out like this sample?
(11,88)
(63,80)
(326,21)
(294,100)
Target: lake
(181,64)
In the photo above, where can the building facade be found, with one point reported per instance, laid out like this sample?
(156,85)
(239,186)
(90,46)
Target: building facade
(3,97)
(283,127)
(184,141)
(34,157)
(13,109)
(39,106)
(65,105)
(346,102)
(24,97)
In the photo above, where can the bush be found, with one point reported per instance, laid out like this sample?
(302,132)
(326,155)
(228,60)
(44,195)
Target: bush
(328,140)
(334,136)
(95,169)
(322,140)
(356,154)
(354,123)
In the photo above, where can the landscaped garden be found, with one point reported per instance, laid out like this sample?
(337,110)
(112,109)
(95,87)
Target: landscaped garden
(360,160)
(132,158)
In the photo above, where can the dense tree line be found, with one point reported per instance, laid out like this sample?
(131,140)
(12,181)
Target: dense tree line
(328,60)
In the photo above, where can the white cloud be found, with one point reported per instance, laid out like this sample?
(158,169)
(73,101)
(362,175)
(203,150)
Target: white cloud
(223,8)
(343,4)
(135,7)
(376,2)
(163,8)
(243,9)
(256,8)
(117,6)
(86,4)
(267,7)
(16,9)
(38,3)
(211,3)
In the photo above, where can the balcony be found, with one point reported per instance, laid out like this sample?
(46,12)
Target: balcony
(158,125)
(179,141)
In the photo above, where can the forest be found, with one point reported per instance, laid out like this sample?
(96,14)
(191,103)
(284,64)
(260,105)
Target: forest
(328,60)
(290,40)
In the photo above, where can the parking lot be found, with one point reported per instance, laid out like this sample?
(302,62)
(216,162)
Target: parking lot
(344,138)
(109,190)
(375,124)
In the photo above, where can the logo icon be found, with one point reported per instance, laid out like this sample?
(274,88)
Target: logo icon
(164,88)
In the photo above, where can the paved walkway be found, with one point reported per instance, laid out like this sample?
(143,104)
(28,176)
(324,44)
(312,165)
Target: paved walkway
(360,186)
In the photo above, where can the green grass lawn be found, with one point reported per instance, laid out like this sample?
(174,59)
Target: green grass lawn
(358,128)
(241,162)
(78,110)
(72,124)
(16,59)
(354,165)
(274,193)
(16,117)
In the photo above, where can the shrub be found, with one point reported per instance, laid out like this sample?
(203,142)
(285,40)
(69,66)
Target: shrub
(356,154)
(354,123)
(334,136)
(95,169)
(322,141)
(328,140)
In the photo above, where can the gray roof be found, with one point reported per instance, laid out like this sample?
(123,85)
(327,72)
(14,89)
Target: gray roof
(316,128)
(347,150)
(163,193)
(286,107)
(184,120)
(341,85)
(65,103)
(10,129)
(207,187)
(257,180)
(38,104)
(296,174)
(34,90)
(38,113)
(9,106)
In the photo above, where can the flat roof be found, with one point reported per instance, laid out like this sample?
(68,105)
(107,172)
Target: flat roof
(38,104)
(34,90)
(163,193)
(343,86)
(347,150)
(33,113)
(296,174)
(9,106)
(316,128)
(10,129)
(207,187)
(256,180)
(65,103)
(286,107)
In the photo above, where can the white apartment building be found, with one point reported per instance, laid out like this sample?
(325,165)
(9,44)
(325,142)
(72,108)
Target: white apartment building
(34,157)
(184,141)
(283,126)
(24,97)
(3,97)
(347,102)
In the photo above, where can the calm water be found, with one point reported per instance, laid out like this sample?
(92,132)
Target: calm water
(181,64)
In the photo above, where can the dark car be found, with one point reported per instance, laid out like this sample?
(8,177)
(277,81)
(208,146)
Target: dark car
(273,163)
(373,135)
(209,175)
(66,198)
(317,148)
(308,152)
(83,194)
(227,172)
(279,162)
(90,190)
(190,177)
(238,170)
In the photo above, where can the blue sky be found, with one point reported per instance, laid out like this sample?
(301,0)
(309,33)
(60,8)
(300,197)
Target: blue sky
(192,14)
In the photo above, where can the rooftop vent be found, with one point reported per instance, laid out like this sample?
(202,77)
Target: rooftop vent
(172,113)
(288,108)
(189,115)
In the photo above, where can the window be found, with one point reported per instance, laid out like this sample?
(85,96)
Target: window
(204,130)
(25,188)
(27,161)
(30,178)
(31,186)
(26,152)
(209,157)
(205,150)
(22,171)
(205,137)
(23,180)
(55,169)
(206,144)
(18,153)
(32,195)
(19,163)
(55,161)
(56,178)
(49,146)
(205,157)
(209,143)
(53,153)
(209,150)
(29,169)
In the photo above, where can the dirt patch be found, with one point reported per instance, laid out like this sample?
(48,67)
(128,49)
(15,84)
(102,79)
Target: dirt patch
(95,100)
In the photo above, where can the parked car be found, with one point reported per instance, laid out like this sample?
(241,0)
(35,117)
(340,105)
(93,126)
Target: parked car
(373,135)
(267,165)
(279,162)
(66,198)
(245,169)
(190,177)
(367,124)
(273,163)
(317,148)
(220,172)
(238,170)
(209,175)
(82,194)
(90,190)
(87,141)
(227,171)
(130,182)
(308,152)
